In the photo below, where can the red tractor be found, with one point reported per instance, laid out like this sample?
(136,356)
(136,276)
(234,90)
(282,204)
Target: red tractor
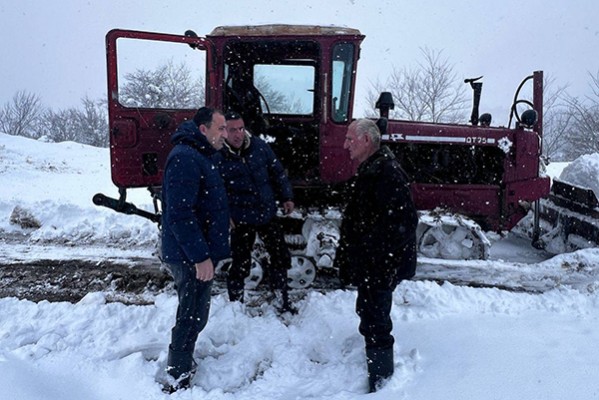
(295,85)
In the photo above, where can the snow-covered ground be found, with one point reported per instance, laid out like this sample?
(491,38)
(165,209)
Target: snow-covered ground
(452,342)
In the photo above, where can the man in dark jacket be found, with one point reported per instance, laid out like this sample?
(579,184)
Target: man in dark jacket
(377,247)
(255,181)
(195,232)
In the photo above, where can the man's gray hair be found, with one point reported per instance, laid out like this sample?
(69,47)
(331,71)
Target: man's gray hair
(368,127)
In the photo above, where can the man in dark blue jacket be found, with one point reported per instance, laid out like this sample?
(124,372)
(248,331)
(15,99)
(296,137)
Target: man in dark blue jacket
(377,247)
(195,231)
(255,181)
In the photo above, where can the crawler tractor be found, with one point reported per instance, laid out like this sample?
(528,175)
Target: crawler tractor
(295,86)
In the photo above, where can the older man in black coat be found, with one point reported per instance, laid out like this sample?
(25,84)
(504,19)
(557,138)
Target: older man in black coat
(378,242)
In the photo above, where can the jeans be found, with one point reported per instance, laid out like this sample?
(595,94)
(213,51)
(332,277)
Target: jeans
(194,307)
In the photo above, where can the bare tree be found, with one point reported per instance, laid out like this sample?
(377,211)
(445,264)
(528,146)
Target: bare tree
(583,134)
(19,117)
(557,119)
(430,92)
(278,101)
(169,86)
(59,126)
(87,126)
(92,123)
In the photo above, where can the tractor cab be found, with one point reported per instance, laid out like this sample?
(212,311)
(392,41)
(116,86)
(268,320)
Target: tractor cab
(294,86)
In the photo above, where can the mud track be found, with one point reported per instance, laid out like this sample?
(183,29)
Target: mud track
(137,282)
(137,277)
(131,283)
(71,280)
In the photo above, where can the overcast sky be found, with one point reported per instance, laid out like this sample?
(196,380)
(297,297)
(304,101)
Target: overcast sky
(56,48)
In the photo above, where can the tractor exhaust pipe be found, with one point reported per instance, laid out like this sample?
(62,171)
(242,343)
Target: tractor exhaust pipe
(477,88)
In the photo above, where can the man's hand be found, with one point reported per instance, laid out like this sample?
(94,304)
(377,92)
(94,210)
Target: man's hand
(288,207)
(204,270)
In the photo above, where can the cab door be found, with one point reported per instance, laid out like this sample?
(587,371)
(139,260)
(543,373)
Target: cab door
(338,96)
(155,82)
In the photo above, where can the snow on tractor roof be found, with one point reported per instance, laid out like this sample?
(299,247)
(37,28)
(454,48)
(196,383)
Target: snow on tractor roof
(282,29)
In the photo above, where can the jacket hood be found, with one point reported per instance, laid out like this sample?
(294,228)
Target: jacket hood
(244,146)
(188,133)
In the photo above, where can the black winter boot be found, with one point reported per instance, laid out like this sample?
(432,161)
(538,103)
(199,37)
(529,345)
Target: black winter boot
(181,367)
(235,289)
(235,295)
(380,367)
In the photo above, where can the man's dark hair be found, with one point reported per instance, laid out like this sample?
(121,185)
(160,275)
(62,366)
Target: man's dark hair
(232,115)
(204,116)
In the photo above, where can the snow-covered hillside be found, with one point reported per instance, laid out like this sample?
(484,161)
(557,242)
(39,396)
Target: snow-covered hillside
(452,342)
(51,185)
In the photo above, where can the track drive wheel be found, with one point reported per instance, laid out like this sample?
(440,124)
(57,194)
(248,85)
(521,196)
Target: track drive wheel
(302,272)
(452,242)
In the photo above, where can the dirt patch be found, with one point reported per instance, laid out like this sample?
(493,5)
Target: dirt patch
(135,282)
(71,280)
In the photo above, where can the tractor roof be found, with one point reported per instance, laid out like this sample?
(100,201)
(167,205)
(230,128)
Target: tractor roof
(282,30)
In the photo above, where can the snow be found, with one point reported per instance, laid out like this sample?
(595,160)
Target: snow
(505,144)
(55,183)
(536,341)
(583,172)
(554,169)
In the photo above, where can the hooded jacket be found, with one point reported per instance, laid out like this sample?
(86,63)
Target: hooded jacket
(255,179)
(195,217)
(378,232)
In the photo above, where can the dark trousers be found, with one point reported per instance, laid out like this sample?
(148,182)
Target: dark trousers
(193,310)
(373,306)
(242,242)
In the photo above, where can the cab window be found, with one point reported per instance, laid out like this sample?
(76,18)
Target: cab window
(286,89)
(160,75)
(342,69)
